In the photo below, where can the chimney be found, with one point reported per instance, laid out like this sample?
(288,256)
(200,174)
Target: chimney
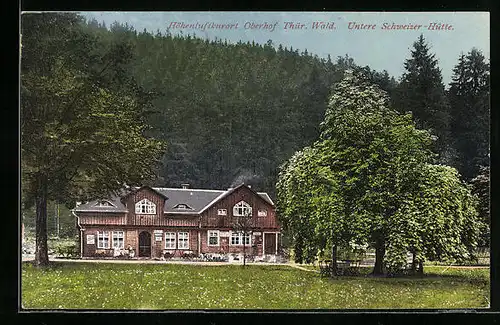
(185,185)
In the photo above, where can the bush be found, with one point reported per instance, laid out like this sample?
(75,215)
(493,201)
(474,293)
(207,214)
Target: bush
(285,253)
(66,249)
(350,253)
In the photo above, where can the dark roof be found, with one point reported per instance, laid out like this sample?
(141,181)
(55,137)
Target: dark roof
(266,197)
(93,206)
(197,199)
(135,189)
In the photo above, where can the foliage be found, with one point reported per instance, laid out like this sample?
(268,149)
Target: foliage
(481,188)
(58,215)
(421,91)
(469,96)
(168,286)
(438,223)
(369,181)
(232,113)
(82,119)
(309,204)
(66,249)
(352,252)
(387,150)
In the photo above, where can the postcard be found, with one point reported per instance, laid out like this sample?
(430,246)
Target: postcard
(183,161)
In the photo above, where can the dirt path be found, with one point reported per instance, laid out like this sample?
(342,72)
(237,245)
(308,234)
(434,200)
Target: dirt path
(460,266)
(145,261)
(301,268)
(148,261)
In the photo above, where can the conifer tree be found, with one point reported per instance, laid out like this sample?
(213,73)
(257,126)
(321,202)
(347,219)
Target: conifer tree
(422,92)
(469,99)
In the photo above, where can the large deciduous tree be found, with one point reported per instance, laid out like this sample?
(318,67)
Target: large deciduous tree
(437,222)
(348,184)
(82,119)
(386,151)
(293,209)
(314,198)
(481,188)
(364,180)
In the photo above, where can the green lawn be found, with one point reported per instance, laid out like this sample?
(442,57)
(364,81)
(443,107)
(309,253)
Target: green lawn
(71,285)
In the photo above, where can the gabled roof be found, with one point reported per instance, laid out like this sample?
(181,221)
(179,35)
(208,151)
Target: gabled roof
(197,199)
(266,197)
(262,195)
(135,189)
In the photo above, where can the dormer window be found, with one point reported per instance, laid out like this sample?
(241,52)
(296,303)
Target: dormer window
(183,206)
(145,207)
(104,203)
(242,209)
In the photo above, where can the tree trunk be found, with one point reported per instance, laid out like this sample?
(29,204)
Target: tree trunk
(334,260)
(41,250)
(244,251)
(378,269)
(414,262)
(420,268)
(298,253)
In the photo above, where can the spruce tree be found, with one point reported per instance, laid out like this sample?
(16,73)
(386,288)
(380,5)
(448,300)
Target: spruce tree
(469,99)
(421,92)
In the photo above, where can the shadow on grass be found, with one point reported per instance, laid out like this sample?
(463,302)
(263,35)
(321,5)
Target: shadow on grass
(473,278)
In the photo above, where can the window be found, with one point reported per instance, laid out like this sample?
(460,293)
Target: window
(183,240)
(103,239)
(118,239)
(221,212)
(104,203)
(145,207)
(183,206)
(246,239)
(235,238)
(170,240)
(213,238)
(238,239)
(242,209)
(262,213)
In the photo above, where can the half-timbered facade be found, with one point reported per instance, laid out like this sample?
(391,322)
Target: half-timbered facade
(155,221)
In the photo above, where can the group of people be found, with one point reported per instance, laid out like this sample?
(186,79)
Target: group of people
(119,252)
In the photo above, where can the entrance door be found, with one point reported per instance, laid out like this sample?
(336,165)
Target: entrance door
(269,243)
(144,244)
(224,244)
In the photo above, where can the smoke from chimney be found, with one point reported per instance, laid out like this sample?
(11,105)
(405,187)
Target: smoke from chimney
(245,176)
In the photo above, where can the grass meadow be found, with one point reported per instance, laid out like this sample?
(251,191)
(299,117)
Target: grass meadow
(72,285)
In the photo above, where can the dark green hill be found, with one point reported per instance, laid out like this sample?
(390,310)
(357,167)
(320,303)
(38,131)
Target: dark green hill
(230,113)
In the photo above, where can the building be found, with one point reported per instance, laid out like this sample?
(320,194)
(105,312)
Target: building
(154,221)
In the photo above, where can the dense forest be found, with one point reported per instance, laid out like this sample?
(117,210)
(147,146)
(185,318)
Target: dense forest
(232,113)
